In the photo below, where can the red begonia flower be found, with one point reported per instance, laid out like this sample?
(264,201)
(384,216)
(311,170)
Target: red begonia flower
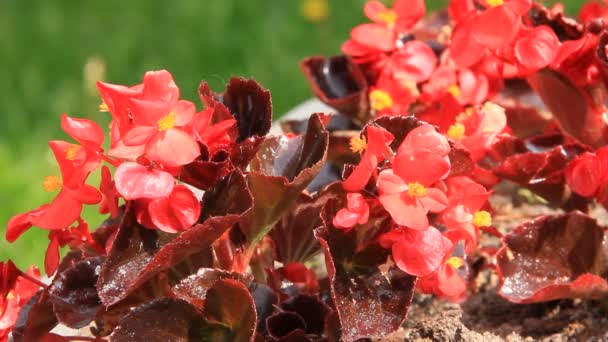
(477,129)
(408,200)
(134,181)
(302,277)
(15,292)
(445,282)
(588,173)
(67,205)
(391,96)
(80,160)
(463,214)
(376,147)
(593,10)
(173,213)
(356,212)
(465,85)
(417,252)
(403,15)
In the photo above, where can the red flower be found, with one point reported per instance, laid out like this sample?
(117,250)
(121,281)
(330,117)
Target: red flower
(67,206)
(417,252)
(382,35)
(465,85)
(463,214)
(15,292)
(173,213)
(588,173)
(376,148)
(78,235)
(302,277)
(477,129)
(500,22)
(445,282)
(356,212)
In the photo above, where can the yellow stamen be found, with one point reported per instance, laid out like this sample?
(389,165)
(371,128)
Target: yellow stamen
(72,151)
(389,17)
(380,100)
(10,295)
(494,3)
(358,145)
(482,219)
(416,189)
(455,262)
(103,107)
(51,183)
(166,122)
(456,131)
(454,90)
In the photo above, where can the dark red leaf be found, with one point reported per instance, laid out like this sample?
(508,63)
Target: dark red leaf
(73,293)
(339,83)
(36,319)
(194,288)
(205,174)
(251,106)
(265,301)
(311,309)
(579,112)
(370,302)
(283,323)
(553,257)
(133,249)
(229,303)
(280,172)
(167,320)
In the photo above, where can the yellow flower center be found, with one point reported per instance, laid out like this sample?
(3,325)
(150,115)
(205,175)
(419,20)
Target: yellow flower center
(482,219)
(416,189)
(72,151)
(51,183)
(166,122)
(454,90)
(494,3)
(103,107)
(10,295)
(389,17)
(455,262)
(358,145)
(456,131)
(380,100)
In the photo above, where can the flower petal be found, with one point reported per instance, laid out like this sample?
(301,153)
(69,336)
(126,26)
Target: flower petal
(177,212)
(135,181)
(425,138)
(435,200)
(423,167)
(374,36)
(420,253)
(82,130)
(405,211)
(173,148)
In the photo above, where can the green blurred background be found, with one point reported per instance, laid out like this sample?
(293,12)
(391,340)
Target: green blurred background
(52,52)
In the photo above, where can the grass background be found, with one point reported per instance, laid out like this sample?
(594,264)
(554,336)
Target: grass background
(52,52)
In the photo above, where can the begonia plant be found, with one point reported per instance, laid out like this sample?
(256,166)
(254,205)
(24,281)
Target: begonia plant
(218,231)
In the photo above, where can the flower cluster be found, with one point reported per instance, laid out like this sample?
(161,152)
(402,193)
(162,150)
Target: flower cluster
(439,121)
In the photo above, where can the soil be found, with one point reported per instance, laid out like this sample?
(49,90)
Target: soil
(485,316)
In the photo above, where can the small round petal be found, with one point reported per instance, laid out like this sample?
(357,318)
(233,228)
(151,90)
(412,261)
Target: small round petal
(60,213)
(82,130)
(405,211)
(361,174)
(425,138)
(449,282)
(537,48)
(409,12)
(435,200)
(584,175)
(159,86)
(415,61)
(139,135)
(422,167)
(135,181)
(374,36)
(420,253)
(373,10)
(173,148)
(496,27)
(464,49)
(177,212)
(389,183)
(345,219)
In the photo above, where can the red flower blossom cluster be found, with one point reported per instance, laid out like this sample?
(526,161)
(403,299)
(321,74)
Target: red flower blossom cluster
(153,136)
(443,125)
